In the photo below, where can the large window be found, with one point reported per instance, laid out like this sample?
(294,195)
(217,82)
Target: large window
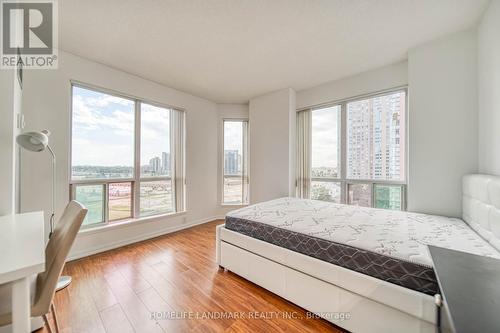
(127,157)
(235,162)
(356,151)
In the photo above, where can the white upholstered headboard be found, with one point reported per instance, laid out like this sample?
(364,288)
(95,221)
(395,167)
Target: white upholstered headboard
(481,206)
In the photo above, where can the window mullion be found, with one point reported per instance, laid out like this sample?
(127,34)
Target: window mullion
(242,163)
(137,161)
(343,152)
(173,157)
(372,194)
(106,202)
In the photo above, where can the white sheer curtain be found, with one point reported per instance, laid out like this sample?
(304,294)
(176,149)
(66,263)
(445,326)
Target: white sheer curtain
(304,123)
(244,164)
(177,126)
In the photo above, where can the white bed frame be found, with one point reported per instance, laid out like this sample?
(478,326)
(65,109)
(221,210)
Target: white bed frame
(334,292)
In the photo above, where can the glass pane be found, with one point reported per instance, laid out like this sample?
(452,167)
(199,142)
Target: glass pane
(325,154)
(359,195)
(120,201)
(155,141)
(233,187)
(156,198)
(327,191)
(92,197)
(102,136)
(376,137)
(389,197)
(233,161)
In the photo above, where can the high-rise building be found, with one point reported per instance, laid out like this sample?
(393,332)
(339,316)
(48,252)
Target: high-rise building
(155,165)
(359,129)
(165,163)
(376,138)
(231,162)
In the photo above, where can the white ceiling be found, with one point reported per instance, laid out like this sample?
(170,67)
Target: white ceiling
(232,50)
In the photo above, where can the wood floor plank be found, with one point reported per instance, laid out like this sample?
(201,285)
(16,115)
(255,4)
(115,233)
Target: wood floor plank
(171,277)
(115,320)
(83,313)
(155,303)
(135,310)
(101,293)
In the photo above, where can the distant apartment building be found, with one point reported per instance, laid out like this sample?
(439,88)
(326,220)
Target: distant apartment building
(155,165)
(232,162)
(165,163)
(375,131)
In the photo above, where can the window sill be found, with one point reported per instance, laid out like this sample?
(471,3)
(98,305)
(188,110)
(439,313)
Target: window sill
(88,230)
(234,205)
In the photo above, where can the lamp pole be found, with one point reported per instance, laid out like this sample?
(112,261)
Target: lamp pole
(37,142)
(64,280)
(52,216)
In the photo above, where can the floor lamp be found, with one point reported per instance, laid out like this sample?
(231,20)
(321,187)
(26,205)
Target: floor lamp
(37,142)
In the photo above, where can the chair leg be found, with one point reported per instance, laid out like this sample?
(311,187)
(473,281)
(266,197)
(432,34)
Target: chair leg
(54,315)
(46,321)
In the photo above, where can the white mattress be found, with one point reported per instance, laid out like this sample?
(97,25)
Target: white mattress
(395,234)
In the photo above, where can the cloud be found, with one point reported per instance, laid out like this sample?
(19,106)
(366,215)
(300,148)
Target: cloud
(103,129)
(233,135)
(155,132)
(325,137)
(88,116)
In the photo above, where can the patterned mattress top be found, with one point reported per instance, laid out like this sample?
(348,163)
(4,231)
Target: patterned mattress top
(400,235)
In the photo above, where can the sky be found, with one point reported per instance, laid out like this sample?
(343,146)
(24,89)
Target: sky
(233,136)
(103,130)
(325,137)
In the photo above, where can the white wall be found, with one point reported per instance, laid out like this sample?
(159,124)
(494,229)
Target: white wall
(10,111)
(272,123)
(10,107)
(384,78)
(47,105)
(226,111)
(489,90)
(442,122)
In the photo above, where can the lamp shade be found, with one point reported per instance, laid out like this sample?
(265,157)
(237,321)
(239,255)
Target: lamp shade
(33,141)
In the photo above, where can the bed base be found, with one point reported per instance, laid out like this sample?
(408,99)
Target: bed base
(353,301)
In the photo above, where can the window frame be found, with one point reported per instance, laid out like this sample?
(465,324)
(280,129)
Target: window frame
(136,179)
(343,180)
(245,160)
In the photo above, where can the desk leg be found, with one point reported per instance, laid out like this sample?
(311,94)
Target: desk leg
(21,306)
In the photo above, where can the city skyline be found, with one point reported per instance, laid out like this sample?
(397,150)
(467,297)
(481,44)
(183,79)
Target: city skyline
(156,164)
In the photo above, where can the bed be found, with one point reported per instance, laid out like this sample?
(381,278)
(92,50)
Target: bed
(364,269)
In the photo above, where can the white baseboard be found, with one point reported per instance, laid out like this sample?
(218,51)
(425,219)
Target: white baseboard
(36,324)
(144,236)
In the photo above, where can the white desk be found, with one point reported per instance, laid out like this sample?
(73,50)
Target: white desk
(22,254)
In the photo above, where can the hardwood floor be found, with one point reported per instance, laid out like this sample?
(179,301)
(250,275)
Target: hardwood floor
(173,275)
